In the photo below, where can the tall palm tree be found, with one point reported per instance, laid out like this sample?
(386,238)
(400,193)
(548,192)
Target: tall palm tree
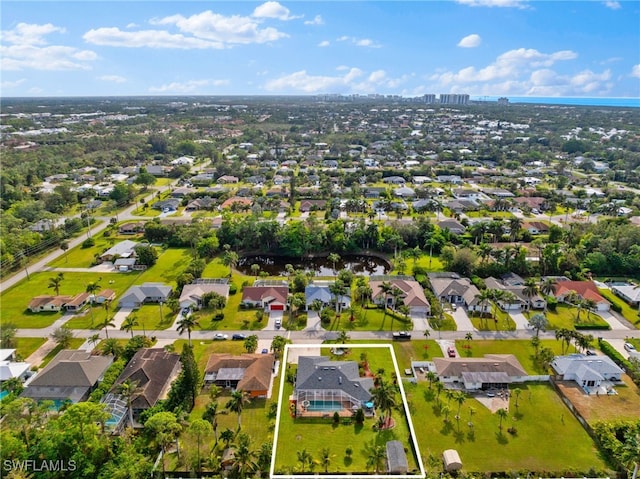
(129,323)
(515,224)
(377,456)
(108,322)
(325,458)
(483,298)
(230,258)
(530,289)
(243,457)
(92,288)
(337,289)
(199,428)
(129,391)
(187,323)
(343,337)
(304,458)
(236,404)
(211,414)
(56,282)
(502,414)
(384,397)
(547,286)
(459,397)
(334,258)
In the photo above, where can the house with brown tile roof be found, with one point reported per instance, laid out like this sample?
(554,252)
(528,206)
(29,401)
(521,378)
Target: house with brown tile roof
(77,302)
(236,200)
(47,302)
(412,294)
(71,375)
(586,290)
(271,298)
(251,373)
(493,371)
(105,295)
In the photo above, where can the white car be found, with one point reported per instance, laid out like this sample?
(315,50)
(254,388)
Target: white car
(629,347)
(220,336)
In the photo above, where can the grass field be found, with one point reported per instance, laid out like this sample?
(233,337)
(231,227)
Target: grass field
(314,434)
(80,257)
(630,314)
(566,317)
(503,323)
(541,415)
(25,347)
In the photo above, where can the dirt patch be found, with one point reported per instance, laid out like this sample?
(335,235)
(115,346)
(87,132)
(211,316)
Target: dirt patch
(493,404)
(625,404)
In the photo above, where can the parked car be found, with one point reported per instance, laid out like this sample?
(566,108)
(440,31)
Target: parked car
(629,347)
(220,336)
(278,323)
(238,337)
(451,352)
(401,336)
(590,352)
(265,351)
(186,311)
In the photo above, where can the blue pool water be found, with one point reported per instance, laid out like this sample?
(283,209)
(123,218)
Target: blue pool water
(319,405)
(3,394)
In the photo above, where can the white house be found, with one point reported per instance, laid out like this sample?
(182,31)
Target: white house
(588,371)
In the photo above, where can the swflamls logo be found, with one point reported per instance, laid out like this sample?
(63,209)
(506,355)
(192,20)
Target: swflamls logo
(38,466)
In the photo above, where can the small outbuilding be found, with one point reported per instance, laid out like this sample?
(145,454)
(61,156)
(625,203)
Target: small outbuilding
(396,458)
(451,460)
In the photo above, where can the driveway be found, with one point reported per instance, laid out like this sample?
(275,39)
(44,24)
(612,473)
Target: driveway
(420,322)
(313,322)
(612,320)
(462,319)
(271,323)
(120,316)
(618,344)
(520,319)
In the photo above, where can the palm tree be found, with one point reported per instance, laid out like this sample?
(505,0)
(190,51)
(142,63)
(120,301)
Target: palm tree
(111,346)
(255,269)
(590,305)
(343,337)
(384,396)
(460,398)
(243,457)
(538,322)
(230,258)
(238,399)
(547,287)
(129,323)
(334,258)
(385,288)
(484,252)
(325,458)
(516,393)
(108,322)
(496,295)
(56,282)
(515,224)
(483,298)
(129,390)
(377,456)
(187,323)
(199,428)
(431,377)
(92,288)
(211,414)
(530,289)
(502,414)
(227,436)
(337,289)
(304,458)
(565,335)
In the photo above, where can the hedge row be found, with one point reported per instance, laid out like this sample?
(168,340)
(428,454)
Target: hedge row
(109,378)
(592,326)
(610,351)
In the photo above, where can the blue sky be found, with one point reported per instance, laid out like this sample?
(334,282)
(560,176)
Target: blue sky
(478,47)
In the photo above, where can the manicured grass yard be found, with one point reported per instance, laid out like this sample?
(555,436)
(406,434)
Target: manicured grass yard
(80,257)
(565,317)
(520,348)
(488,323)
(170,264)
(436,264)
(25,347)
(548,437)
(314,434)
(629,313)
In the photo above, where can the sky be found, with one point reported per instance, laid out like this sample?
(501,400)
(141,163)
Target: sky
(408,48)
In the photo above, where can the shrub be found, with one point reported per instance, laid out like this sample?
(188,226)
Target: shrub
(336,417)
(233,289)
(218,317)
(616,307)
(552,303)
(88,243)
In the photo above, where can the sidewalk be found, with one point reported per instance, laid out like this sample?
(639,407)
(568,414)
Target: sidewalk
(39,354)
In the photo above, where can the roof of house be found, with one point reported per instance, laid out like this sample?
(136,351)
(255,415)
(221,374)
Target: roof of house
(154,370)
(12,369)
(194,292)
(490,363)
(236,199)
(123,249)
(585,289)
(38,301)
(253,371)
(631,291)
(413,292)
(454,285)
(576,364)
(106,294)
(143,291)
(266,294)
(452,225)
(78,300)
(318,372)
(321,291)
(73,368)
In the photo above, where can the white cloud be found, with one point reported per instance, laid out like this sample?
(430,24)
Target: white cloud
(213,27)
(351,80)
(132,25)
(30,34)
(317,20)
(360,42)
(12,84)
(324,43)
(113,78)
(273,10)
(613,5)
(635,71)
(36,90)
(25,47)
(191,86)
(495,3)
(114,37)
(470,41)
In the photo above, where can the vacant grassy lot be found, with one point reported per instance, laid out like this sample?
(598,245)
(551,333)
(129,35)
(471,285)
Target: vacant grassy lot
(170,264)
(541,415)
(501,322)
(25,347)
(520,348)
(407,351)
(566,317)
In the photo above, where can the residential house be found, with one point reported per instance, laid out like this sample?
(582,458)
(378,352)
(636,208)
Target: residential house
(124,265)
(319,290)
(183,160)
(374,192)
(10,368)
(629,292)
(236,200)
(394,180)
(170,204)
(136,296)
(455,179)
(516,300)
(153,370)
(270,298)
(70,376)
(47,303)
(586,290)
(412,293)
(157,170)
(454,226)
(321,381)
(310,205)
(77,302)
(123,249)
(192,294)
(404,192)
(226,179)
(588,371)
(493,371)
(454,289)
(104,296)
(535,227)
(131,228)
(182,192)
(251,373)
(204,203)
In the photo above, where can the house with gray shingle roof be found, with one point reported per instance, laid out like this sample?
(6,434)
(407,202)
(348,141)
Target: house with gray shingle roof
(452,288)
(136,296)
(319,290)
(71,375)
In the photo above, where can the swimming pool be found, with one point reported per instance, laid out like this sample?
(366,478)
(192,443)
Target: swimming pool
(320,405)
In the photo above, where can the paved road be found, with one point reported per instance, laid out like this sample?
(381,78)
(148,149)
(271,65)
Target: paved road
(41,264)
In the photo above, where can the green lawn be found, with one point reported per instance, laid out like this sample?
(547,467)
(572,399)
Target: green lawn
(630,314)
(371,318)
(541,416)
(25,347)
(215,269)
(407,351)
(80,257)
(16,299)
(170,264)
(565,317)
(503,323)
(520,348)
(314,434)
(424,261)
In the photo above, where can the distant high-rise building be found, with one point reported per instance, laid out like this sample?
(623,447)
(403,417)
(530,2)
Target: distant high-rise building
(429,98)
(503,101)
(453,99)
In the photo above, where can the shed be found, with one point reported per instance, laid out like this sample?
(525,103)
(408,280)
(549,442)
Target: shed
(396,458)
(451,460)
